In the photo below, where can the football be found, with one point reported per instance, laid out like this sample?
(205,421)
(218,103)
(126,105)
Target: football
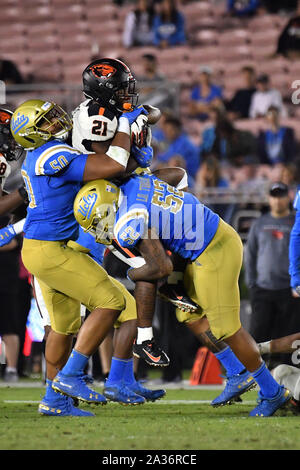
(154,114)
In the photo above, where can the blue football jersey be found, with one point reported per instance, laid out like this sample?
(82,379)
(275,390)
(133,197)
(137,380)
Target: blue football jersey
(177,218)
(52,175)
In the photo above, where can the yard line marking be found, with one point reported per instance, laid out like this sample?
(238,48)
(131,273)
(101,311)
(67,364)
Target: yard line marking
(161,402)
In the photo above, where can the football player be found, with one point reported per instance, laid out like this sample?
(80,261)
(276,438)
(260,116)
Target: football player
(121,385)
(109,87)
(53,172)
(156,217)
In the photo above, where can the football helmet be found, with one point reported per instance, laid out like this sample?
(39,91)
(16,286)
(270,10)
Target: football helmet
(110,82)
(8,146)
(95,208)
(35,122)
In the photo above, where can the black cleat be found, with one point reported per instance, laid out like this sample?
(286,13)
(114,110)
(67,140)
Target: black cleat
(175,293)
(151,353)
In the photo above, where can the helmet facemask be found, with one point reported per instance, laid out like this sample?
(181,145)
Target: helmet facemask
(103,223)
(55,117)
(126,97)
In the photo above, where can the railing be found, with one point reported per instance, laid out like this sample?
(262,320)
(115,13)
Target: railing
(163,94)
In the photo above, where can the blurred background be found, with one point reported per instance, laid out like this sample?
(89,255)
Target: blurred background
(226,76)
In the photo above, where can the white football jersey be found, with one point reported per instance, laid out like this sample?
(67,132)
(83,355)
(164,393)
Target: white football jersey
(92,123)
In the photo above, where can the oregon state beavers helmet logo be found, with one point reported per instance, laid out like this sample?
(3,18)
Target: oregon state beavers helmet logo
(4,117)
(103,70)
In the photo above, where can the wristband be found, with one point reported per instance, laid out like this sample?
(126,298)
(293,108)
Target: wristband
(118,154)
(124,125)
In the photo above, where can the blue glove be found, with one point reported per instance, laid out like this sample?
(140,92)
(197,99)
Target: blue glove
(7,234)
(132,115)
(143,155)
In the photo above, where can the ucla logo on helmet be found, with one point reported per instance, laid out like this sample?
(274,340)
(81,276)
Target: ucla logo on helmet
(86,205)
(19,122)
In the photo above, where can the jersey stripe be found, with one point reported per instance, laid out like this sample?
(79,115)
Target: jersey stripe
(47,154)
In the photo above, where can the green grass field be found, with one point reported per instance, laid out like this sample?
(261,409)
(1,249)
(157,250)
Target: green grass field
(183,420)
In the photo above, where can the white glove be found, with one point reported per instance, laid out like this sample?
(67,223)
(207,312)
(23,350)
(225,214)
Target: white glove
(5,170)
(140,132)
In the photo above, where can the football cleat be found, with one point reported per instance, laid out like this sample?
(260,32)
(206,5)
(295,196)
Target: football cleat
(175,293)
(236,385)
(76,387)
(268,406)
(151,353)
(149,395)
(120,393)
(61,406)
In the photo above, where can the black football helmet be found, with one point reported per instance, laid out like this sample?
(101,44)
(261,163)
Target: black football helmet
(111,83)
(8,146)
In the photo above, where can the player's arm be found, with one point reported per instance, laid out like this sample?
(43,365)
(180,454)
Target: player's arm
(102,147)
(10,202)
(284,345)
(158,264)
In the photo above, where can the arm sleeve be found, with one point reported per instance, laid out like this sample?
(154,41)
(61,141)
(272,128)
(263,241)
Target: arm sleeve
(251,257)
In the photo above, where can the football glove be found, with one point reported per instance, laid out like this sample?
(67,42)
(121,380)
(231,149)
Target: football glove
(141,134)
(131,116)
(7,234)
(297,290)
(143,156)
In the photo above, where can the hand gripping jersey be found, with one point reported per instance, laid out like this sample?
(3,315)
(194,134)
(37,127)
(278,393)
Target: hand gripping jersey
(53,175)
(294,249)
(180,221)
(92,123)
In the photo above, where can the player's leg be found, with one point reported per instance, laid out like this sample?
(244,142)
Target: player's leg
(238,379)
(121,382)
(75,277)
(216,274)
(289,377)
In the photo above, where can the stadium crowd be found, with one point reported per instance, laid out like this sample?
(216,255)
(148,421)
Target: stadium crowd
(237,141)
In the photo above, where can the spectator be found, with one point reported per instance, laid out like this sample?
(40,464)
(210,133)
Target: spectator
(179,143)
(264,97)
(204,95)
(238,107)
(274,310)
(230,145)
(278,6)
(289,39)
(209,176)
(277,143)
(154,84)
(242,8)
(169,25)
(9,73)
(138,28)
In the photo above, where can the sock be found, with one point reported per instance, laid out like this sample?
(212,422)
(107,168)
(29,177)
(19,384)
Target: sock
(11,369)
(268,385)
(230,362)
(75,364)
(50,393)
(116,372)
(129,377)
(144,334)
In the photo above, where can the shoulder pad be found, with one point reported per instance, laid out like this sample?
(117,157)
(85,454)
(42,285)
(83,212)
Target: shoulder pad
(131,227)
